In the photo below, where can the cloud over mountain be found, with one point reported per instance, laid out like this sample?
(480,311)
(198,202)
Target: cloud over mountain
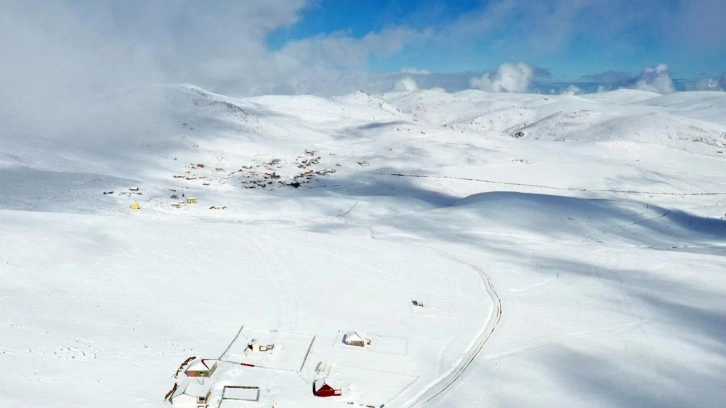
(406,84)
(656,79)
(506,78)
(64,49)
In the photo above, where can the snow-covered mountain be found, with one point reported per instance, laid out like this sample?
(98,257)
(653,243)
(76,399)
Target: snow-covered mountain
(567,250)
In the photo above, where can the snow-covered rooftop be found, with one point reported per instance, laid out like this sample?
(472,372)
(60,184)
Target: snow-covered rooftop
(192,388)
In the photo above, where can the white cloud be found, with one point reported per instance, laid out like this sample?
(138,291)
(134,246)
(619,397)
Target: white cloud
(66,48)
(55,56)
(571,90)
(602,88)
(411,70)
(406,84)
(340,51)
(506,78)
(656,79)
(707,84)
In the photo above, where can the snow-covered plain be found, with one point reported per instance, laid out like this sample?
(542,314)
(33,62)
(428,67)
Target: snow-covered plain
(569,250)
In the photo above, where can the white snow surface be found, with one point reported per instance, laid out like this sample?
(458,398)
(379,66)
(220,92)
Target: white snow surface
(568,250)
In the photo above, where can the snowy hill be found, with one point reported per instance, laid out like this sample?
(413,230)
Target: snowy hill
(567,250)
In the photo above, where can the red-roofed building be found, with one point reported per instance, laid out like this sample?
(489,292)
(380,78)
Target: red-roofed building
(322,389)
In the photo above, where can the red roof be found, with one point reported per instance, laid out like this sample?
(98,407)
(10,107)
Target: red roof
(323,389)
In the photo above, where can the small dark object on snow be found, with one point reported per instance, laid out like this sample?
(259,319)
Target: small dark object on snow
(295,184)
(518,134)
(107,192)
(417,303)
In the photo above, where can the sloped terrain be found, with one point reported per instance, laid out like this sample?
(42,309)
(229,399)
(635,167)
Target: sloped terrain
(569,249)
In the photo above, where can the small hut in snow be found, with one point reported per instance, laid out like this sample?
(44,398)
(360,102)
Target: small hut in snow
(356,339)
(193,395)
(201,368)
(321,388)
(255,346)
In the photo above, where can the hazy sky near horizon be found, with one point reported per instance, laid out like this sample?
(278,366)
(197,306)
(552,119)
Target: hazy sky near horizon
(263,46)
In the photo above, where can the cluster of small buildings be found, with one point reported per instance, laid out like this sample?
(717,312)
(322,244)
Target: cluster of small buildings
(192,394)
(192,391)
(195,392)
(265,175)
(321,386)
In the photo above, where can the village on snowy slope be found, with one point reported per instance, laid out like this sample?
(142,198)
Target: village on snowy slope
(258,362)
(271,174)
(597,218)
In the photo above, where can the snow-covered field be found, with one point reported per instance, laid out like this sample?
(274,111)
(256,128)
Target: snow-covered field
(568,250)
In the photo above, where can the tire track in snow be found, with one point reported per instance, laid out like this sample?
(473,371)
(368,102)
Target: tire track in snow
(449,380)
(509,183)
(287,302)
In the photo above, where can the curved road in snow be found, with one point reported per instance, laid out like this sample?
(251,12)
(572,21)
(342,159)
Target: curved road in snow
(449,380)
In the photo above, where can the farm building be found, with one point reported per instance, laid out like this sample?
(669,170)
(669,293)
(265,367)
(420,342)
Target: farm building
(355,339)
(201,368)
(321,388)
(256,347)
(193,395)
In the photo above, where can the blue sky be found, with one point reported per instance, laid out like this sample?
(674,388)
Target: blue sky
(570,38)
(84,47)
